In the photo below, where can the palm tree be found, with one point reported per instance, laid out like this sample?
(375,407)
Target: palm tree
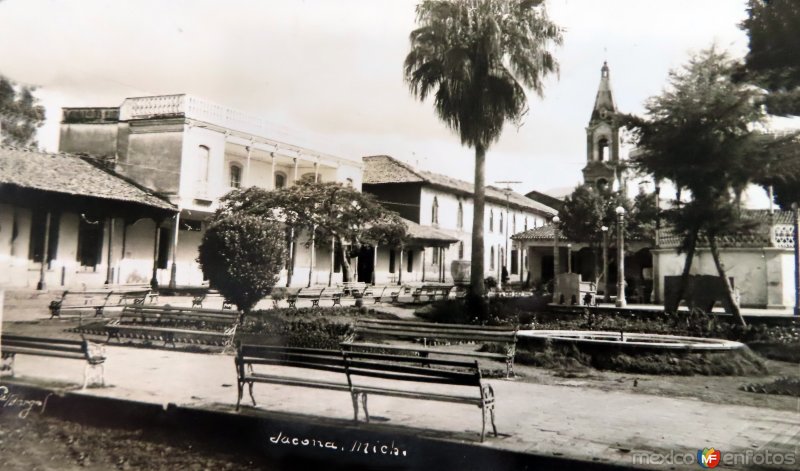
(475,57)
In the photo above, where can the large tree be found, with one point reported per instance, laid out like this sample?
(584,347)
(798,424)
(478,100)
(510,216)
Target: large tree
(588,208)
(700,134)
(475,58)
(772,62)
(20,114)
(324,211)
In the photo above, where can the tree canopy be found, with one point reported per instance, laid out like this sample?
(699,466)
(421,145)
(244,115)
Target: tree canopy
(327,210)
(475,58)
(701,133)
(241,256)
(20,114)
(773,27)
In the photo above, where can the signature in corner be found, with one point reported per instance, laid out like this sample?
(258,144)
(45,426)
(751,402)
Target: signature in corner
(8,399)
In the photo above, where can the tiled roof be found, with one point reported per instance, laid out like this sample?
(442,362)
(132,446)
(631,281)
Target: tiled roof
(70,174)
(538,233)
(427,233)
(385,169)
(759,235)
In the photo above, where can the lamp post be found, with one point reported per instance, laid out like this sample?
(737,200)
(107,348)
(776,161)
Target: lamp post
(796,221)
(620,257)
(606,286)
(556,220)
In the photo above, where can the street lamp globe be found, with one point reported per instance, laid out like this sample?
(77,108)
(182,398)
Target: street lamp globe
(604,228)
(556,220)
(620,210)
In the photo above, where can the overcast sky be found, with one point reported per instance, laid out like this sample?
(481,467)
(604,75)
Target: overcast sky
(328,73)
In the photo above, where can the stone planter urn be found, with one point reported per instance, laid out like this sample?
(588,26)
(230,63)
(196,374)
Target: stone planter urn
(460,270)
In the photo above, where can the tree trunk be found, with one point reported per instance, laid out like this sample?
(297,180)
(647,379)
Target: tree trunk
(737,314)
(687,267)
(345,261)
(477,287)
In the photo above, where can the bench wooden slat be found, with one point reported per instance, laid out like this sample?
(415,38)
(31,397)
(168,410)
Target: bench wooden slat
(434,334)
(405,358)
(289,381)
(405,377)
(333,368)
(13,338)
(419,395)
(170,329)
(427,350)
(39,345)
(412,371)
(436,324)
(44,352)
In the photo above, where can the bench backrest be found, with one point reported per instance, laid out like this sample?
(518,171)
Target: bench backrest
(208,316)
(407,329)
(411,368)
(37,343)
(312,358)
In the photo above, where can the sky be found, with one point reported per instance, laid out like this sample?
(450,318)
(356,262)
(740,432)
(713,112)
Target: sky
(328,73)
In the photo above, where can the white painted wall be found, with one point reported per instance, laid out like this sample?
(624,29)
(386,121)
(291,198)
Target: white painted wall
(762,277)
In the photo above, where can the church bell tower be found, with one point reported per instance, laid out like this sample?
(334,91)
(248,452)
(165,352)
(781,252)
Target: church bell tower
(602,138)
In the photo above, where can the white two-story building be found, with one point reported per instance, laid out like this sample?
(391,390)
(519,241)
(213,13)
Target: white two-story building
(191,152)
(445,204)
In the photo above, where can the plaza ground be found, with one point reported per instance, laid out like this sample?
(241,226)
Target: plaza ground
(595,417)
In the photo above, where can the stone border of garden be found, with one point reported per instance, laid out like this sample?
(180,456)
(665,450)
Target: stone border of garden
(633,340)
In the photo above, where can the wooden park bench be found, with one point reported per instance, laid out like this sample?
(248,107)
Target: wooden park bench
(315,295)
(167,323)
(256,364)
(80,301)
(137,296)
(407,373)
(393,291)
(431,291)
(92,353)
(427,335)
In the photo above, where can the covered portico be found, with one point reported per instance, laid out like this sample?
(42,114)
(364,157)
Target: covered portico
(420,259)
(67,221)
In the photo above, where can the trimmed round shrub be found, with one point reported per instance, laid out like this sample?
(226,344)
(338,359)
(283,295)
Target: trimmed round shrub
(241,257)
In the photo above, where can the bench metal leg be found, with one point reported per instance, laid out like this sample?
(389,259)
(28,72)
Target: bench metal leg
(98,312)
(250,389)
(483,422)
(364,405)
(93,368)
(240,388)
(8,363)
(315,303)
(354,396)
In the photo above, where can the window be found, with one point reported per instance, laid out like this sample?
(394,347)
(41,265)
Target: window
(203,155)
(280,180)
(410,265)
(460,217)
(461,249)
(526,223)
(501,223)
(435,211)
(236,176)
(435,252)
(90,242)
(513,223)
(491,258)
(36,245)
(491,220)
(602,149)
(392,262)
